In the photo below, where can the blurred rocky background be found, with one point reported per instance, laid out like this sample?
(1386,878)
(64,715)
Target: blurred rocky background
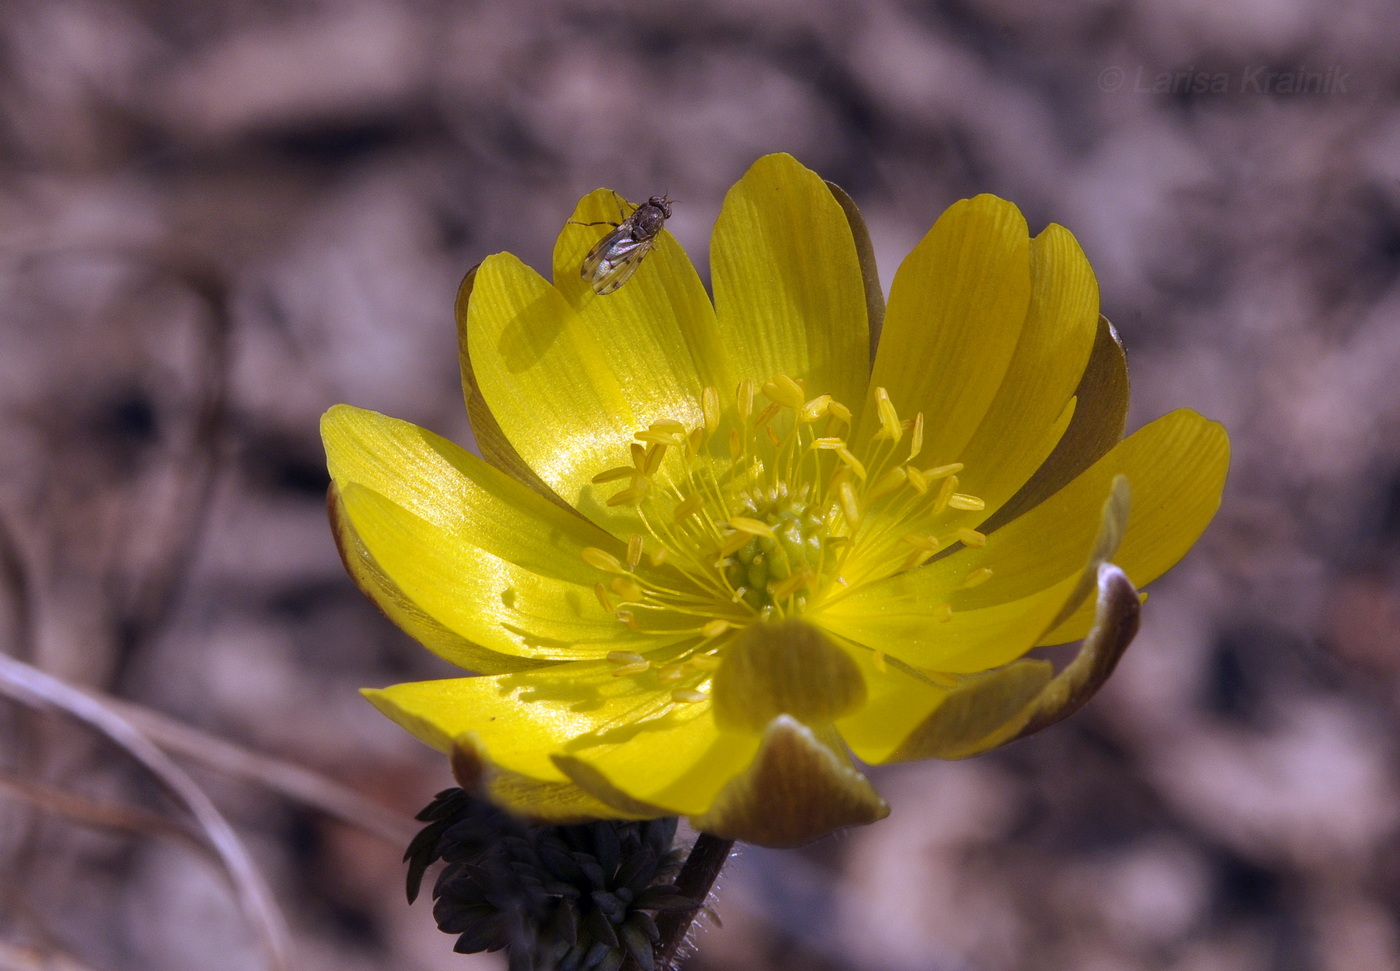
(219,218)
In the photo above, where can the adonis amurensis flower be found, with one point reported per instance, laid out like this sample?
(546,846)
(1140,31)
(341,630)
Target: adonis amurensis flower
(715,548)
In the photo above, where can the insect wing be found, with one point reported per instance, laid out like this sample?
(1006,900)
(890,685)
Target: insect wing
(614,259)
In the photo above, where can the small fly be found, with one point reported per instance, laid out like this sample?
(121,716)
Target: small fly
(614,259)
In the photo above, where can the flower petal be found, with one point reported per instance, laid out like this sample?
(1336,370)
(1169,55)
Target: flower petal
(556,387)
(370,577)
(784,667)
(1117,611)
(796,789)
(1023,423)
(469,500)
(489,600)
(865,252)
(491,441)
(669,761)
(555,803)
(659,329)
(1176,466)
(931,618)
(520,721)
(956,311)
(788,286)
(1100,414)
(991,709)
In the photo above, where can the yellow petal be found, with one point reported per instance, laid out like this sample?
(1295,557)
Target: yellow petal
(1100,414)
(982,626)
(788,288)
(956,311)
(549,386)
(540,801)
(1023,423)
(484,598)
(796,789)
(785,667)
(448,487)
(403,611)
(1176,467)
(520,721)
(659,328)
(910,717)
(669,761)
(491,441)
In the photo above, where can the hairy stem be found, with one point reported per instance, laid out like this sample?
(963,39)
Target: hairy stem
(707,857)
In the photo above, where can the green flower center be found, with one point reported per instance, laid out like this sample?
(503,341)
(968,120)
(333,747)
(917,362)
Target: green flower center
(763,510)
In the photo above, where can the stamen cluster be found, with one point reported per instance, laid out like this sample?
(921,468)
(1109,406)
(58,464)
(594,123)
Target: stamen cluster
(768,509)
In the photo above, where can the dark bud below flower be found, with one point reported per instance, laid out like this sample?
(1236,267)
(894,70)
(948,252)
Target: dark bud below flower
(555,898)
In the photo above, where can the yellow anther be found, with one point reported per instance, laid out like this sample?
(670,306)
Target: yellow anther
(977,577)
(917,559)
(849,506)
(753,527)
(688,696)
(916,479)
(853,463)
(639,454)
(943,471)
(743,400)
(790,584)
(659,557)
(603,598)
(815,409)
(709,407)
(736,444)
(772,435)
(889,418)
(959,500)
(887,483)
(654,436)
(972,538)
(703,662)
(946,489)
(696,440)
(624,657)
(916,437)
(640,487)
(667,425)
(767,415)
(879,661)
(829,443)
(630,669)
(919,542)
(839,411)
(627,589)
(614,475)
(714,628)
(602,560)
(634,550)
(783,390)
(629,618)
(687,507)
(943,613)
(653,460)
(670,674)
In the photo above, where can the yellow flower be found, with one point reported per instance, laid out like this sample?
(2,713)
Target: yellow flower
(714,549)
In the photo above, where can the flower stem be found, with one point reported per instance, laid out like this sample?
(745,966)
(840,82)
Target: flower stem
(707,857)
